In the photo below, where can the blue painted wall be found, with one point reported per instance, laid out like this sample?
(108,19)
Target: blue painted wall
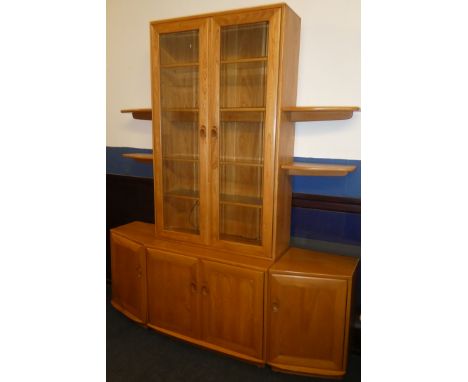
(344,186)
(118,165)
(329,226)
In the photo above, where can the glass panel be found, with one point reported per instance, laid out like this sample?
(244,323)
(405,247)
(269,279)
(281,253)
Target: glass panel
(177,48)
(241,224)
(242,114)
(179,87)
(181,215)
(243,84)
(241,138)
(179,130)
(244,41)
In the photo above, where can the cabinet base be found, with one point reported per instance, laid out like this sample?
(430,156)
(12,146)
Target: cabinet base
(307,371)
(209,346)
(126,313)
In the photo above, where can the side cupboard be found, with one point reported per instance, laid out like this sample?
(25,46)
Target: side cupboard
(216,268)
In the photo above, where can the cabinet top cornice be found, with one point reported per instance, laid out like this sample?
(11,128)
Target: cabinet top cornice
(220,13)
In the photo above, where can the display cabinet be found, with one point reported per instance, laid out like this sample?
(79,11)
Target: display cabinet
(216,97)
(223,112)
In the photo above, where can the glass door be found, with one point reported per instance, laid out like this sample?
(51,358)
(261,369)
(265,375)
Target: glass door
(242,145)
(179,116)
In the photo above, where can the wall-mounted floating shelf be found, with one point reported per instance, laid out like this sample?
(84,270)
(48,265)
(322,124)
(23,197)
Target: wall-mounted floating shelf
(144,113)
(293,113)
(319,113)
(140,157)
(317,169)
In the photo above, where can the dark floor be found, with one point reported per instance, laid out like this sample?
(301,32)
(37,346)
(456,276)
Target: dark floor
(136,354)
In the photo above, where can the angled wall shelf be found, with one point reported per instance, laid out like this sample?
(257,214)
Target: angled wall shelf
(144,113)
(317,169)
(319,113)
(140,157)
(293,113)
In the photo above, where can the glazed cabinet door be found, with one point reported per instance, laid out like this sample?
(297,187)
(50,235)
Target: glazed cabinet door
(179,91)
(232,308)
(243,81)
(307,322)
(128,262)
(173,302)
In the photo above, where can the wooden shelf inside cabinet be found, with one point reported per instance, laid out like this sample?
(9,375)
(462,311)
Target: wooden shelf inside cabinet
(318,169)
(141,157)
(319,113)
(145,114)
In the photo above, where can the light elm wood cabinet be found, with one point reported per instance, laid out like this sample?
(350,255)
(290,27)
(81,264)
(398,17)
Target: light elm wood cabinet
(216,269)
(218,136)
(218,304)
(309,312)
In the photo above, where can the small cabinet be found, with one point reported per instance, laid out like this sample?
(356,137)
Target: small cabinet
(307,321)
(232,301)
(172,293)
(128,262)
(309,310)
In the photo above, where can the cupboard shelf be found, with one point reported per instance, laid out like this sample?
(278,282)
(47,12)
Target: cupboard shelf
(317,169)
(183,194)
(238,162)
(181,158)
(244,60)
(140,157)
(237,109)
(179,65)
(243,201)
(319,113)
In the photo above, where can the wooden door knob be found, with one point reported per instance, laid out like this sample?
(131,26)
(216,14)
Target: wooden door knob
(214,132)
(202,131)
(275,307)
(193,286)
(204,291)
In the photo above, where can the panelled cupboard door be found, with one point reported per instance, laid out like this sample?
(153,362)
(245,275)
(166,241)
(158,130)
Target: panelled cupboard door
(179,68)
(128,262)
(243,83)
(307,322)
(232,307)
(172,293)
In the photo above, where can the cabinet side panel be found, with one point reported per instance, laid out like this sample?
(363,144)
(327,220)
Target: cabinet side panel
(287,93)
(129,277)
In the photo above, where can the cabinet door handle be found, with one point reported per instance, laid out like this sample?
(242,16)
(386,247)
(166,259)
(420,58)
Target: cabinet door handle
(193,286)
(214,148)
(275,307)
(204,291)
(138,269)
(202,131)
(214,132)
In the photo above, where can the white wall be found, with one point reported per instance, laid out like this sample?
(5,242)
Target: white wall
(329,68)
